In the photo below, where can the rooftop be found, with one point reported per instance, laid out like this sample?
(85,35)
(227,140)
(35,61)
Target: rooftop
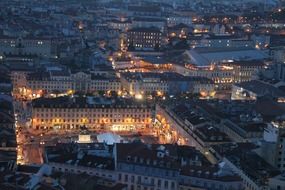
(87,102)
(211,134)
(255,63)
(211,173)
(148,19)
(244,158)
(144,8)
(156,155)
(166,76)
(144,29)
(261,88)
(206,56)
(76,155)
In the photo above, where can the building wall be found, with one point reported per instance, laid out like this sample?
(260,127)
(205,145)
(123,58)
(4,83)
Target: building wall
(19,79)
(106,174)
(144,40)
(277,183)
(239,93)
(190,182)
(154,85)
(49,86)
(175,20)
(223,78)
(39,47)
(245,73)
(158,24)
(248,183)
(98,118)
(79,82)
(140,182)
(144,87)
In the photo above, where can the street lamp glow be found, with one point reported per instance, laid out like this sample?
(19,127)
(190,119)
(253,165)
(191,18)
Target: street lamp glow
(139,96)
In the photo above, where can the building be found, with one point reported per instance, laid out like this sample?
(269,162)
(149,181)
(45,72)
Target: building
(143,166)
(277,182)
(244,71)
(241,158)
(42,47)
(39,83)
(271,145)
(192,126)
(63,81)
(200,177)
(225,41)
(122,61)
(164,83)
(144,39)
(122,25)
(43,177)
(92,113)
(147,22)
(254,89)
(208,56)
(8,143)
(175,20)
(243,132)
(6,86)
(144,11)
(19,73)
(222,76)
(180,31)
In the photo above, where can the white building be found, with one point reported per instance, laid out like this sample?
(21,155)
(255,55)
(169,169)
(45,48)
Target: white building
(94,113)
(164,83)
(43,47)
(175,20)
(64,81)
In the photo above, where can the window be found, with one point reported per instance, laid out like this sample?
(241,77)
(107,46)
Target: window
(159,183)
(166,184)
(126,178)
(172,185)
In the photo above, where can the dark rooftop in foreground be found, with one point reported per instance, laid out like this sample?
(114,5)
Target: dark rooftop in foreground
(243,157)
(73,154)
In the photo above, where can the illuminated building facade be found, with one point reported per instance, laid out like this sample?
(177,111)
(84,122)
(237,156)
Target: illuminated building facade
(63,82)
(226,74)
(121,25)
(94,113)
(221,76)
(164,83)
(246,70)
(144,38)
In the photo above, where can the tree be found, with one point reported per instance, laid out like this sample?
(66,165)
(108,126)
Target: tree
(101,92)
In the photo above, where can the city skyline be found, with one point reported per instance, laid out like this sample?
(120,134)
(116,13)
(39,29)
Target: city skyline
(142,95)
